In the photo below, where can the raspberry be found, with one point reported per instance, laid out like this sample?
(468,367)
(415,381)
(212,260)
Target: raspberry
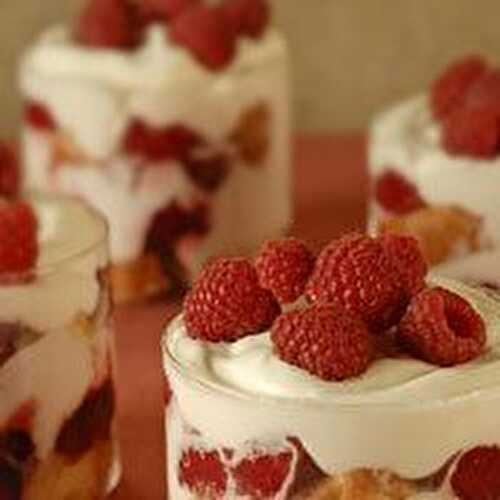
(208,173)
(203,473)
(262,476)
(174,222)
(308,475)
(477,474)
(9,171)
(203,31)
(18,238)
(405,252)
(442,328)
(170,143)
(472,131)
(356,273)
(38,117)
(284,267)
(396,194)
(449,90)
(485,93)
(248,17)
(162,10)
(324,340)
(227,303)
(108,24)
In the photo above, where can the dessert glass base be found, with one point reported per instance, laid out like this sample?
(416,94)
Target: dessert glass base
(243,425)
(57,397)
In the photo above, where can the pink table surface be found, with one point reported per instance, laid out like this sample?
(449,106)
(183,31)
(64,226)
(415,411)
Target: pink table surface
(329,191)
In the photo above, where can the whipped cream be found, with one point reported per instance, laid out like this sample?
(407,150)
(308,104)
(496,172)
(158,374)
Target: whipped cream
(65,361)
(407,139)
(239,393)
(72,250)
(160,84)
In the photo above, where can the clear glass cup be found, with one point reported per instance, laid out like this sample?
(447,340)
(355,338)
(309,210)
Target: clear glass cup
(184,163)
(227,444)
(57,399)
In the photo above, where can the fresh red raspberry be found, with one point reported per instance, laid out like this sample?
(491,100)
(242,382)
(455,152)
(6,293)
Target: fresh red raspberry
(477,474)
(208,173)
(442,328)
(203,31)
(175,221)
(449,90)
(162,10)
(404,251)
(248,17)
(227,303)
(18,238)
(154,144)
(356,273)
(396,194)
(203,473)
(325,340)
(485,92)
(473,132)
(107,24)
(38,117)
(9,171)
(284,266)
(262,476)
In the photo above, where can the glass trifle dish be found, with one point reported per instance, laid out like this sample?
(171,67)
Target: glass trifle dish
(347,376)
(57,399)
(171,117)
(435,169)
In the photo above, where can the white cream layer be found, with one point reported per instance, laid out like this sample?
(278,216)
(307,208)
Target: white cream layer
(407,139)
(57,370)
(94,95)
(403,415)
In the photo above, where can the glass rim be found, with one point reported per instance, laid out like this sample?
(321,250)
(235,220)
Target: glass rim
(51,266)
(168,357)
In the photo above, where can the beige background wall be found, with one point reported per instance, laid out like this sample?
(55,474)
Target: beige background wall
(350,57)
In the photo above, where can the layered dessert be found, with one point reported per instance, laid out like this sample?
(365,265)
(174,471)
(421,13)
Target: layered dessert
(56,380)
(349,376)
(172,119)
(435,167)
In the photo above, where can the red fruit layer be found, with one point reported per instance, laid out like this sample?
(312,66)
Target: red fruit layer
(396,194)
(39,117)
(208,173)
(174,142)
(9,172)
(477,474)
(257,476)
(174,222)
(203,473)
(18,239)
(90,422)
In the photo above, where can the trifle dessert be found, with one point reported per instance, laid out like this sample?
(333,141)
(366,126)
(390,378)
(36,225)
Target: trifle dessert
(435,167)
(57,399)
(171,117)
(347,376)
